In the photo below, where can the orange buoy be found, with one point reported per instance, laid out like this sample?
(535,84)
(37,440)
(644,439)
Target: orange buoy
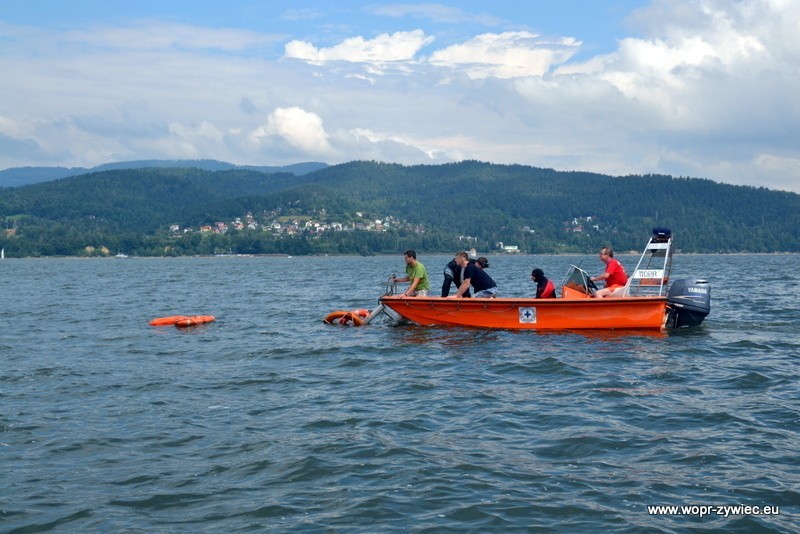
(354,318)
(195,320)
(182,320)
(344,317)
(167,321)
(338,314)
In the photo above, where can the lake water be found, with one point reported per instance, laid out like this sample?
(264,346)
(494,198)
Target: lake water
(269,419)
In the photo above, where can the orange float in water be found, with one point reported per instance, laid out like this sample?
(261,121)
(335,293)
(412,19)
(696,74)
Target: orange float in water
(182,320)
(195,320)
(343,317)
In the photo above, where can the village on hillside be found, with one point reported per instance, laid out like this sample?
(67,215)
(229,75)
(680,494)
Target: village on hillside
(278,224)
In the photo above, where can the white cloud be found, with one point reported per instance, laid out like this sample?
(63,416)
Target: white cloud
(202,135)
(506,55)
(784,172)
(301,129)
(397,148)
(385,48)
(14,128)
(708,93)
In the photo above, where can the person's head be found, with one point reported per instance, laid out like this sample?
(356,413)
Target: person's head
(462,258)
(537,274)
(606,254)
(482,262)
(410,256)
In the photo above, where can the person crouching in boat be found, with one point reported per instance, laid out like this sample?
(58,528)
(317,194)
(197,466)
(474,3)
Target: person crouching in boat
(416,275)
(544,287)
(476,277)
(452,275)
(614,275)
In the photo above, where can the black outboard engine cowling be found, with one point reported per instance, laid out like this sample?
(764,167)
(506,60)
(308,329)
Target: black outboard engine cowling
(690,302)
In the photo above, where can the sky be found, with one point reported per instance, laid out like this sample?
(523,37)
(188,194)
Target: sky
(700,88)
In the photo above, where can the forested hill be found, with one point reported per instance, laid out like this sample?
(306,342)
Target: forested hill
(484,199)
(17,176)
(369,207)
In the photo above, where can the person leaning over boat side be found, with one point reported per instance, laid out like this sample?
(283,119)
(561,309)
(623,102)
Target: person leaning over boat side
(476,277)
(452,275)
(544,287)
(614,275)
(416,275)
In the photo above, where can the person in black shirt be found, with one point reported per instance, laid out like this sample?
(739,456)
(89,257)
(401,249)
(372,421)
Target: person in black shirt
(452,275)
(476,277)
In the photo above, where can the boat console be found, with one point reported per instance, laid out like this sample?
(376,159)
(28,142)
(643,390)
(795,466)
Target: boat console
(577,284)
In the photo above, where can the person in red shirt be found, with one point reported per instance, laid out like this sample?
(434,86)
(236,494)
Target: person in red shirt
(614,275)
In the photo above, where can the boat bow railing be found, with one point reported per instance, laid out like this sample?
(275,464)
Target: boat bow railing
(391,286)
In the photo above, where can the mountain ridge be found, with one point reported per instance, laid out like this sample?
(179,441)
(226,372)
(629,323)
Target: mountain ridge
(369,207)
(17,176)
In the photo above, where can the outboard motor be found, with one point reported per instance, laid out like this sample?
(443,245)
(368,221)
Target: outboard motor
(690,302)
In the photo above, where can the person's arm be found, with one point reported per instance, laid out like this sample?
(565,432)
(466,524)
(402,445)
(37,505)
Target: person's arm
(463,288)
(412,287)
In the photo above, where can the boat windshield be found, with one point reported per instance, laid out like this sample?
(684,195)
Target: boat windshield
(578,280)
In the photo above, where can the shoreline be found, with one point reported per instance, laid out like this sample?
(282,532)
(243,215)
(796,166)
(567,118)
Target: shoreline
(423,254)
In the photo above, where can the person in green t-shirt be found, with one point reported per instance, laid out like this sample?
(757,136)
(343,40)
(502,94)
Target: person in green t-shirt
(416,275)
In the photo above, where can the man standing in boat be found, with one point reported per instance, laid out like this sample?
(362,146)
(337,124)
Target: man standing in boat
(476,277)
(416,275)
(614,275)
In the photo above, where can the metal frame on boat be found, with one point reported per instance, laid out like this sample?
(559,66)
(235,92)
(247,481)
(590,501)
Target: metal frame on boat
(644,303)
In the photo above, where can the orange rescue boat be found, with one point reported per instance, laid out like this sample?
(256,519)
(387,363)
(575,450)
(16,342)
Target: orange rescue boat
(535,314)
(645,302)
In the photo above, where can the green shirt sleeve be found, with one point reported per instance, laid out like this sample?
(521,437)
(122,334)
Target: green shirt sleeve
(418,271)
